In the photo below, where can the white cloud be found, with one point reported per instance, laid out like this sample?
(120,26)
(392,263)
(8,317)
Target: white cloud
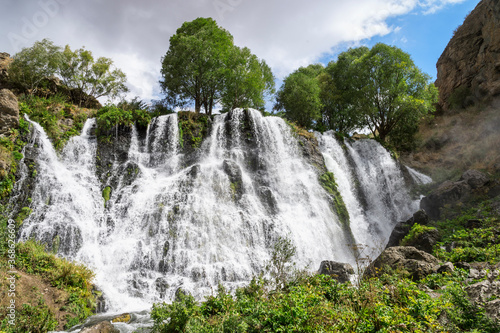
(287,33)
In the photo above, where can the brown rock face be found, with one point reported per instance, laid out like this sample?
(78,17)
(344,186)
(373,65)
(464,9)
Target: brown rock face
(9,111)
(5,60)
(469,68)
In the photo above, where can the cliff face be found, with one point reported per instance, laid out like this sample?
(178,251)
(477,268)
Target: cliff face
(468,71)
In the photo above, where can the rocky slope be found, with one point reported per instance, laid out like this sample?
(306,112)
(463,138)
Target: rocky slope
(468,71)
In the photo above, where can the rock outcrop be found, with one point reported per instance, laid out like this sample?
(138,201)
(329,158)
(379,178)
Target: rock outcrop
(472,184)
(417,264)
(403,228)
(339,271)
(102,327)
(469,68)
(5,60)
(9,111)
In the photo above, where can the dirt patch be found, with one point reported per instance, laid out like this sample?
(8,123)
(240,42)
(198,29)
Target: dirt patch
(29,289)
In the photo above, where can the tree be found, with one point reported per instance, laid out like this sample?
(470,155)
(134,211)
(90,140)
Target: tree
(97,78)
(194,67)
(393,94)
(339,93)
(202,65)
(247,82)
(34,64)
(299,96)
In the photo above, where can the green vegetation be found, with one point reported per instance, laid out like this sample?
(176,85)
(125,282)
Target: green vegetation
(378,88)
(110,116)
(10,154)
(34,64)
(327,180)
(60,119)
(299,96)
(473,236)
(74,279)
(415,231)
(321,304)
(193,127)
(202,65)
(78,69)
(106,194)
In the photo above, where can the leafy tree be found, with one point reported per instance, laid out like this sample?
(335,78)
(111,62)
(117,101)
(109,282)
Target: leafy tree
(202,65)
(78,69)
(299,96)
(33,64)
(193,68)
(338,95)
(247,82)
(393,94)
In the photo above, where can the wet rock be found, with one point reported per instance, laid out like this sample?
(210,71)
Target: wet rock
(425,241)
(340,271)
(268,200)
(403,228)
(102,327)
(123,318)
(234,173)
(416,263)
(9,111)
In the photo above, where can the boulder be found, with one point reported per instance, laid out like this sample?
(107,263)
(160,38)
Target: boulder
(474,178)
(417,264)
(425,241)
(340,271)
(5,60)
(402,228)
(472,184)
(102,327)
(9,111)
(446,268)
(486,294)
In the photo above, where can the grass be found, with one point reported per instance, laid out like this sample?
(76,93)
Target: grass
(59,119)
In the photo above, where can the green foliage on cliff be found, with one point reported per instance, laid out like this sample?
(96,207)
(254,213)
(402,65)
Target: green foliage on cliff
(110,116)
(193,128)
(415,231)
(60,119)
(10,154)
(327,180)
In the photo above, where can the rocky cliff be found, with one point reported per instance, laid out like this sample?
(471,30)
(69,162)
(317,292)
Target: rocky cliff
(468,71)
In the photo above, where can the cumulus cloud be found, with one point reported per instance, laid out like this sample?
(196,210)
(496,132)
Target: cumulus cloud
(287,33)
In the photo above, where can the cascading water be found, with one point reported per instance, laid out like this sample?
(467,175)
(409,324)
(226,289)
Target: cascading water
(379,199)
(418,177)
(176,222)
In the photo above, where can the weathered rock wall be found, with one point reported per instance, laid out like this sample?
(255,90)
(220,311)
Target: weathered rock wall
(468,71)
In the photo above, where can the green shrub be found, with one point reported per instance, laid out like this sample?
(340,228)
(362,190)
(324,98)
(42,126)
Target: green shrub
(327,180)
(110,116)
(415,231)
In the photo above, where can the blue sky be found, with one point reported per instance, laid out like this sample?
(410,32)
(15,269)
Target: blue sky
(287,34)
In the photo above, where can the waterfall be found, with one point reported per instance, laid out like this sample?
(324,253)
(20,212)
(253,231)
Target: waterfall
(372,186)
(177,221)
(419,178)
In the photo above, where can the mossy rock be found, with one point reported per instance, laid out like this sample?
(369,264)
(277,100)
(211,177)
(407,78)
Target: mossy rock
(327,180)
(123,318)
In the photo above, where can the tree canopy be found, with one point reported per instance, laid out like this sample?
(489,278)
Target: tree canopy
(77,69)
(204,67)
(299,96)
(380,89)
(33,64)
